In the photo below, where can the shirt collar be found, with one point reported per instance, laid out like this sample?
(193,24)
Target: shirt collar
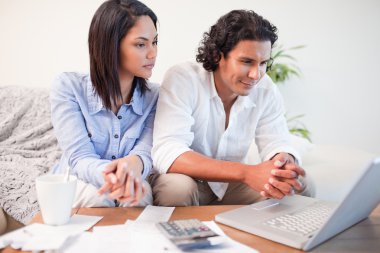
(245,101)
(213,91)
(137,100)
(95,103)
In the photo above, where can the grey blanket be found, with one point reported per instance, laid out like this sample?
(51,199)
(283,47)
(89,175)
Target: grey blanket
(28,148)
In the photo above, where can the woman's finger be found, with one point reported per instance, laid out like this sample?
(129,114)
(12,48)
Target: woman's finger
(112,166)
(116,194)
(105,188)
(138,191)
(122,173)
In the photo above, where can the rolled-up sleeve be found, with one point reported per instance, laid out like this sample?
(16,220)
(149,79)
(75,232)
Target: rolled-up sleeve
(272,133)
(70,130)
(172,135)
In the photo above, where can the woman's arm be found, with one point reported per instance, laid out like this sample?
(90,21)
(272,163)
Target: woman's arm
(67,115)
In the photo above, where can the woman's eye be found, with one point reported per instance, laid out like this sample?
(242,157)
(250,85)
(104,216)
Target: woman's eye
(140,45)
(155,42)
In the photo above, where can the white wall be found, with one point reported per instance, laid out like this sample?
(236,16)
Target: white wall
(339,90)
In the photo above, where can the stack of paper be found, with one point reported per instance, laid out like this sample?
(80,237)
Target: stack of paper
(38,236)
(141,235)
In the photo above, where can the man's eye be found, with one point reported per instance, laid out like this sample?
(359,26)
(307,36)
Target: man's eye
(246,62)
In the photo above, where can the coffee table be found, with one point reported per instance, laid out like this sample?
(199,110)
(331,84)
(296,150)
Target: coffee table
(363,237)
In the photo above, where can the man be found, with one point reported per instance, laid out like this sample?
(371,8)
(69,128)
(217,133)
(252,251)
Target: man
(209,113)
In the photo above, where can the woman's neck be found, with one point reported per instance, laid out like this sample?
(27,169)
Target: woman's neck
(126,83)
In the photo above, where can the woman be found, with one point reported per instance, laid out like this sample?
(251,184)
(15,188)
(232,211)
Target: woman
(103,121)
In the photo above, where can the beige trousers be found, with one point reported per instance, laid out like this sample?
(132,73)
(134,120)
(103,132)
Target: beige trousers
(174,189)
(86,196)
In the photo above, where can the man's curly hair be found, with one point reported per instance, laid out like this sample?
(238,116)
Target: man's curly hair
(231,28)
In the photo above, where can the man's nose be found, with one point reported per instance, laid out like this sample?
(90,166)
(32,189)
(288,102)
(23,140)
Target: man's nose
(254,73)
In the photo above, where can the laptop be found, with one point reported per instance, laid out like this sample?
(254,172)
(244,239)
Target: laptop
(303,222)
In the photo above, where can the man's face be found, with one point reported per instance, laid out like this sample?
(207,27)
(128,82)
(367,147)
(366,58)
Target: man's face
(243,68)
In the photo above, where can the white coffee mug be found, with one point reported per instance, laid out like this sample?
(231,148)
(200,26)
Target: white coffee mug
(55,196)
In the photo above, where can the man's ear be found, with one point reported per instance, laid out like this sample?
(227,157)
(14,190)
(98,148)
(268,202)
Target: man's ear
(222,59)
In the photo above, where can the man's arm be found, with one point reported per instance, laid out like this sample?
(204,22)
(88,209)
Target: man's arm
(173,135)
(257,177)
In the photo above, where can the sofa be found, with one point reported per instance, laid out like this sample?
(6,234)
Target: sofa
(28,149)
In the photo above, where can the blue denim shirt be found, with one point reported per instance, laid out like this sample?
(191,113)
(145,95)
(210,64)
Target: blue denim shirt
(91,136)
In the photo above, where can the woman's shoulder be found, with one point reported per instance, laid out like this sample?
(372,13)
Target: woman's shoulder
(71,80)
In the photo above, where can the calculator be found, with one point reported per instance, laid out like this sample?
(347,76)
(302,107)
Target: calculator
(189,234)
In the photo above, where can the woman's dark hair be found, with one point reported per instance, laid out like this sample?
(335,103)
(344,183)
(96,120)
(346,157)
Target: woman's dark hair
(228,31)
(110,24)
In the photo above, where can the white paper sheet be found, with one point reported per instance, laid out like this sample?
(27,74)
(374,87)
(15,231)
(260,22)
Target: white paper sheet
(141,237)
(39,236)
(155,214)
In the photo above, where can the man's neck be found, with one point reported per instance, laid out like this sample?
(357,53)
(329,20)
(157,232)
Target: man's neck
(228,98)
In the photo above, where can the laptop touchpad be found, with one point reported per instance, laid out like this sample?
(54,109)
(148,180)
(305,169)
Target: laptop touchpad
(270,205)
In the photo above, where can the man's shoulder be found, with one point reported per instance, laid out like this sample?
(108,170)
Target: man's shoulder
(153,89)
(265,86)
(266,83)
(186,74)
(188,69)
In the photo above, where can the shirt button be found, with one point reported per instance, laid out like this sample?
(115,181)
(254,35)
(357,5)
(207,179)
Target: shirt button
(89,135)
(119,117)
(116,136)
(113,157)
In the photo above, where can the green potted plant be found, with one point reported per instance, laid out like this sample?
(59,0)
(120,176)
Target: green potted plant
(280,71)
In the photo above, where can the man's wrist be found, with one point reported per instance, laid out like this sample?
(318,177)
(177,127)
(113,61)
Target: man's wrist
(291,157)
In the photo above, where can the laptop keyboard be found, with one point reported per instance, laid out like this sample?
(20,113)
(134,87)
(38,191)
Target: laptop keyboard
(302,222)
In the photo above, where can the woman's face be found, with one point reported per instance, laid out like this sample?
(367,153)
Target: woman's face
(138,49)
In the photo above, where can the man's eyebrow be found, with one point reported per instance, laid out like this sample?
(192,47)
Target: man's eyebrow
(251,59)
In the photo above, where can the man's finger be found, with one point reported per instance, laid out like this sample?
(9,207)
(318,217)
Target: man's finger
(284,187)
(273,191)
(280,160)
(284,173)
(296,168)
(295,183)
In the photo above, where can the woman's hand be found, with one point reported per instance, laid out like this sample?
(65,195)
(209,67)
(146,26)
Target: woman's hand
(122,179)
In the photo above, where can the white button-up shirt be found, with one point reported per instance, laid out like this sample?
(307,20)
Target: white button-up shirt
(190,116)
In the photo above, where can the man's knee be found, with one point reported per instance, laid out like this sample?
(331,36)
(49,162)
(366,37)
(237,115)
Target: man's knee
(239,194)
(174,190)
